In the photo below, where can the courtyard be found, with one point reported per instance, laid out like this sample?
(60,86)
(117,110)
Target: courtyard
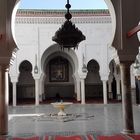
(88,119)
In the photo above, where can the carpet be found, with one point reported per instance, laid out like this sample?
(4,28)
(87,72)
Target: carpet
(134,137)
(114,137)
(26,138)
(78,137)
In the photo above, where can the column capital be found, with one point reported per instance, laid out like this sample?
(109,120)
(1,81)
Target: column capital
(104,80)
(117,77)
(36,77)
(127,63)
(104,77)
(4,68)
(14,79)
(83,76)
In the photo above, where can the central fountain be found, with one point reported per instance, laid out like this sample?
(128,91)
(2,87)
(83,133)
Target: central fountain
(61,115)
(61,106)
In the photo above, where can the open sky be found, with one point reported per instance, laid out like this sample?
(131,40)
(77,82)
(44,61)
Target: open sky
(60,4)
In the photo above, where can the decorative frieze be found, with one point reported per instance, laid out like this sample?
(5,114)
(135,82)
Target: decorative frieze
(59,20)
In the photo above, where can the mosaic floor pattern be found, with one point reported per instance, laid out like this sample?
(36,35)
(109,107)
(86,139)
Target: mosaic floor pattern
(68,117)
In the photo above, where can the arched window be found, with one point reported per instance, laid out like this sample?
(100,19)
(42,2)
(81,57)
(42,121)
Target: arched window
(25,66)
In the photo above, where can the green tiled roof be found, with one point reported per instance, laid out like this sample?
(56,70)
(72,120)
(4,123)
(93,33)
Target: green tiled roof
(40,12)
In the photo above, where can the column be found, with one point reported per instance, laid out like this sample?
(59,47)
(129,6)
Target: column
(128,125)
(82,91)
(41,90)
(3,103)
(105,91)
(14,93)
(118,89)
(133,85)
(7,86)
(78,90)
(36,91)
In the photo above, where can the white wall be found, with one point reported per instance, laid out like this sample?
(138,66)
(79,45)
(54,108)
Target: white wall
(35,38)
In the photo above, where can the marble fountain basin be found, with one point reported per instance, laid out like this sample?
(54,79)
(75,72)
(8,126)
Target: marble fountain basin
(61,107)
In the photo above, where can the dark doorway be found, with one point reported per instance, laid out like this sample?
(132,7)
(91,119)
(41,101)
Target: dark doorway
(137,82)
(59,79)
(94,87)
(114,91)
(26,84)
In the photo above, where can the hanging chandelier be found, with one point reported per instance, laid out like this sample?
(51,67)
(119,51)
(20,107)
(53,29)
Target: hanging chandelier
(68,36)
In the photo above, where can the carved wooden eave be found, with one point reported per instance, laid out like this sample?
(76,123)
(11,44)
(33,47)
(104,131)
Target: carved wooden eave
(133,31)
(127,17)
(7,43)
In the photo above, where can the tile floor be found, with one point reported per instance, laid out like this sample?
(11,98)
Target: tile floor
(25,120)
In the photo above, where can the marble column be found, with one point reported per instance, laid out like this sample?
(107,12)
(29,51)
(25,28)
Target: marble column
(82,91)
(78,90)
(41,90)
(14,93)
(3,102)
(105,91)
(36,91)
(128,125)
(118,89)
